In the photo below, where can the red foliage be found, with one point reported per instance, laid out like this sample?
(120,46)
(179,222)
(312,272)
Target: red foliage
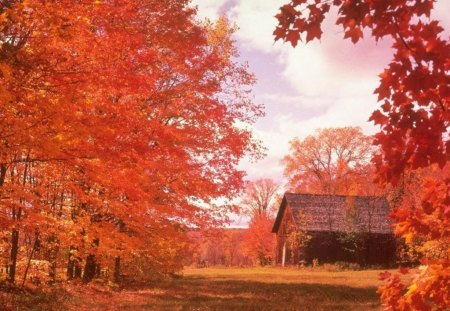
(331,161)
(259,241)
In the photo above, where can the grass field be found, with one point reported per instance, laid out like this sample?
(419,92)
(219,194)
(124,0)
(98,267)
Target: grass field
(225,289)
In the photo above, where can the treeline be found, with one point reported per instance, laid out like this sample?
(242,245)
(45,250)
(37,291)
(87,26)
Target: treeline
(220,247)
(117,134)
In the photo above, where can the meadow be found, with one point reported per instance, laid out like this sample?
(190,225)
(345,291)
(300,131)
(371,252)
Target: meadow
(219,289)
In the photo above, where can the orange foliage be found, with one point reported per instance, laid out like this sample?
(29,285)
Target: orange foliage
(420,206)
(117,129)
(329,161)
(259,241)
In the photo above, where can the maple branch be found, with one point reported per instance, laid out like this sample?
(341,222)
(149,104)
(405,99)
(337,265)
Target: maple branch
(30,126)
(442,105)
(56,159)
(402,39)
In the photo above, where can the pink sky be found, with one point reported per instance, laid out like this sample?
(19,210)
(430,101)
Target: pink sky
(323,84)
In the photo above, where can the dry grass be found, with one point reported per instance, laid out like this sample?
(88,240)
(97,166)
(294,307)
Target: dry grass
(225,289)
(363,278)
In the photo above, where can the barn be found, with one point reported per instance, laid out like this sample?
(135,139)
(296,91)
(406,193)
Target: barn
(333,228)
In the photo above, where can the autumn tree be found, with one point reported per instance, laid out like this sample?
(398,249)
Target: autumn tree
(259,241)
(233,240)
(357,238)
(327,161)
(111,114)
(363,182)
(259,201)
(414,118)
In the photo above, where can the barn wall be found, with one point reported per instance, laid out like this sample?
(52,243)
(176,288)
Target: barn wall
(378,249)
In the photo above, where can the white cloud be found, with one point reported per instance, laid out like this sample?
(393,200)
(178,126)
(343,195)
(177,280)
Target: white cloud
(256,22)
(254,18)
(315,73)
(208,8)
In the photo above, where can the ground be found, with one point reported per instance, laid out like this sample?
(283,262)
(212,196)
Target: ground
(221,289)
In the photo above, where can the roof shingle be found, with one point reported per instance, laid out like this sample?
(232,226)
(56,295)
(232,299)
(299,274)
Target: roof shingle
(323,212)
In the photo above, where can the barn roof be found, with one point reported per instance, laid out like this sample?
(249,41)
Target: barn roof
(338,212)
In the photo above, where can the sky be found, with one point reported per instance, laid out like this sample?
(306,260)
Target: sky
(326,83)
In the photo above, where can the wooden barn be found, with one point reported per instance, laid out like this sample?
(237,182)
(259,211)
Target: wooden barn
(334,228)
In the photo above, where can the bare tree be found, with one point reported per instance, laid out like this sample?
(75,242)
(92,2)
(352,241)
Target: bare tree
(260,197)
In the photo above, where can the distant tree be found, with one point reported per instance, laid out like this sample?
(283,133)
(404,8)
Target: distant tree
(218,246)
(213,247)
(232,242)
(259,241)
(259,202)
(259,197)
(327,161)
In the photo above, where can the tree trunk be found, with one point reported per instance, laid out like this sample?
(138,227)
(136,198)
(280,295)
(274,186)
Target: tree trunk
(73,265)
(367,251)
(53,262)
(14,251)
(52,272)
(117,269)
(2,173)
(70,269)
(97,270)
(77,270)
(89,269)
(35,246)
(70,265)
